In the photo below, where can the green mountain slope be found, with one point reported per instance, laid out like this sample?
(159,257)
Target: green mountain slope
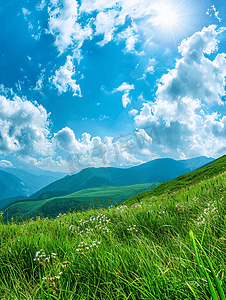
(106,196)
(158,170)
(186,180)
(170,246)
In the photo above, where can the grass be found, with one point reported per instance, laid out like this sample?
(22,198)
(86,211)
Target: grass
(167,246)
(98,197)
(184,181)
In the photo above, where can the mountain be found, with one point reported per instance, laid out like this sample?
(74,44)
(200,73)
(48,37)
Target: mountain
(158,170)
(4,203)
(36,171)
(208,170)
(51,207)
(12,186)
(70,184)
(34,182)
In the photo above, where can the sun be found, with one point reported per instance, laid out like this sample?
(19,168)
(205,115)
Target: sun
(168,18)
(165,14)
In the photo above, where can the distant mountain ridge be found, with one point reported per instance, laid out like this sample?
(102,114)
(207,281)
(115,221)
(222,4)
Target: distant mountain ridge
(117,194)
(31,182)
(12,186)
(158,170)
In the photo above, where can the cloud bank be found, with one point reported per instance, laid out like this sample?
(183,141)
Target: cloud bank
(23,127)
(183,97)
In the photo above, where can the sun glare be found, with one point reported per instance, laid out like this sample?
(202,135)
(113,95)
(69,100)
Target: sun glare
(169,18)
(166,15)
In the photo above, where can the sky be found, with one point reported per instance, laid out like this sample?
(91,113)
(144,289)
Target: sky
(99,83)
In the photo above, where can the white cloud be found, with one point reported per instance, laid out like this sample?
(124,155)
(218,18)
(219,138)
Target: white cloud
(124,87)
(23,127)
(48,163)
(146,116)
(130,36)
(91,5)
(39,83)
(195,82)
(213,10)
(133,112)
(134,8)
(71,22)
(145,137)
(63,78)
(6,91)
(105,24)
(65,138)
(196,76)
(41,5)
(103,117)
(150,67)
(102,18)
(112,14)
(64,26)
(141,98)
(26,12)
(6,164)
(18,85)
(33,27)
(125,99)
(93,151)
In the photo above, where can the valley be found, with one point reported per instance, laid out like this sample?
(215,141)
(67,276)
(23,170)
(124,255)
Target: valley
(165,243)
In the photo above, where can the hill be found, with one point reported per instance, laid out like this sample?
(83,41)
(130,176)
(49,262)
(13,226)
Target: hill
(51,207)
(218,166)
(158,170)
(168,246)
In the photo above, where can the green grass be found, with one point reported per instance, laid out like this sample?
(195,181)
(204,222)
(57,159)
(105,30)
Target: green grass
(183,181)
(169,246)
(86,198)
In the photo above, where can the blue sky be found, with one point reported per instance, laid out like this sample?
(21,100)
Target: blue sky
(111,83)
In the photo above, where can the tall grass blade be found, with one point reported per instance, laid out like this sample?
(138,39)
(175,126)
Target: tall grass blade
(195,295)
(219,287)
(212,289)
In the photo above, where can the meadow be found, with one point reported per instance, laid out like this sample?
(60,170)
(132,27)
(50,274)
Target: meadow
(93,197)
(169,244)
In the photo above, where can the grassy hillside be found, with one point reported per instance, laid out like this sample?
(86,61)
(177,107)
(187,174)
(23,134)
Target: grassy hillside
(186,180)
(152,171)
(51,207)
(169,246)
